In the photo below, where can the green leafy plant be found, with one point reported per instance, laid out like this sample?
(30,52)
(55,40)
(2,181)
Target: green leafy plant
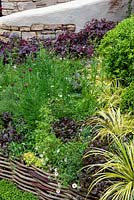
(127,99)
(65,157)
(117,51)
(118,168)
(63,84)
(8,191)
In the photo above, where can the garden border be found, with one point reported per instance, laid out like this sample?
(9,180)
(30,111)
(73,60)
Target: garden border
(36,181)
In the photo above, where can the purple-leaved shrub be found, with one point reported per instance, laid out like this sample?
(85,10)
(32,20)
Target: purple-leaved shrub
(81,44)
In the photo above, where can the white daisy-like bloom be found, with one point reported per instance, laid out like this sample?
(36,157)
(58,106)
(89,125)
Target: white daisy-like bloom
(58,191)
(41,155)
(55,169)
(14,66)
(56,174)
(74,185)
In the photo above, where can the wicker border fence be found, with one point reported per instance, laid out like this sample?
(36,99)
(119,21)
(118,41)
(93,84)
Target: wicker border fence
(35,180)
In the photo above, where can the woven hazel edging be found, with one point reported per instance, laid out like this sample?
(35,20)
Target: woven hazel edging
(32,179)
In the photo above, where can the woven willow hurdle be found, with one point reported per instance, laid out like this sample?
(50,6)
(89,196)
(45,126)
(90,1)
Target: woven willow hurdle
(35,180)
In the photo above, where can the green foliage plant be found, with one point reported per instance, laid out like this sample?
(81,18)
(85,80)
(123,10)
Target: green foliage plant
(117,52)
(66,158)
(8,191)
(62,83)
(127,99)
(118,168)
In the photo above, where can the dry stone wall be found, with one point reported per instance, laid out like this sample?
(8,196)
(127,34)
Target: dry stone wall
(12,6)
(40,31)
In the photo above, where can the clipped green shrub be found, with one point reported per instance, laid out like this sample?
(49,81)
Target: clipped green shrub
(8,191)
(127,99)
(117,51)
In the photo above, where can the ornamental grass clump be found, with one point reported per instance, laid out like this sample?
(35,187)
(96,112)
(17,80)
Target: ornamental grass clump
(118,168)
(112,122)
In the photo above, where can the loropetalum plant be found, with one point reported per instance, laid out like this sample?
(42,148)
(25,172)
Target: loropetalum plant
(66,129)
(70,44)
(8,133)
(16,50)
(86,175)
(82,43)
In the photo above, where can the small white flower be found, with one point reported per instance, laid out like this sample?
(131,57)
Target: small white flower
(56,174)
(55,170)
(58,191)
(41,155)
(65,160)
(60,95)
(74,185)
(14,66)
